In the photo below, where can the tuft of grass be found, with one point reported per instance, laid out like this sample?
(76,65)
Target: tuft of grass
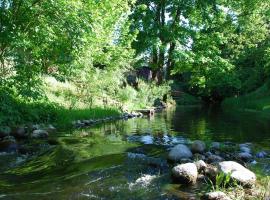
(65,116)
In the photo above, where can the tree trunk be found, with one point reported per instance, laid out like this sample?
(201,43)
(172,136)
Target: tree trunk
(170,61)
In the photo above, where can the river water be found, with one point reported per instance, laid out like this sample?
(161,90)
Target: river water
(110,161)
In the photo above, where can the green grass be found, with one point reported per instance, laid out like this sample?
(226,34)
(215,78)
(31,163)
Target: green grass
(258,100)
(65,116)
(18,111)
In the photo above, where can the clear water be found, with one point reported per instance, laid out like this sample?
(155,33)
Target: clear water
(108,161)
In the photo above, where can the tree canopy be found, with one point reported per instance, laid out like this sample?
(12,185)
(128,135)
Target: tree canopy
(215,48)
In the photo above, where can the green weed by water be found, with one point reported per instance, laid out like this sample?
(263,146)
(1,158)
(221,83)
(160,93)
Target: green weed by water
(221,182)
(66,116)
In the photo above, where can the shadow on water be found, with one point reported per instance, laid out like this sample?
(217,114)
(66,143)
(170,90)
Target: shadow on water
(111,161)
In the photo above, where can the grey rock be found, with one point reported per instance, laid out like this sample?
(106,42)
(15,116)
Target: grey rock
(179,152)
(245,145)
(201,165)
(185,173)
(215,196)
(198,146)
(215,145)
(208,153)
(244,156)
(245,149)
(214,158)
(261,154)
(40,134)
(237,172)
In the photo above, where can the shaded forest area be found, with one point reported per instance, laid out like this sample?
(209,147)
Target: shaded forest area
(63,56)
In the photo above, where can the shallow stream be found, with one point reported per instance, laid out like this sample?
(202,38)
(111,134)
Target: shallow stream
(110,161)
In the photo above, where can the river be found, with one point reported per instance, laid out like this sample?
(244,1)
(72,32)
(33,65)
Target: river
(108,161)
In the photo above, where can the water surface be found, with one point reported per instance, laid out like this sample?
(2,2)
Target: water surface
(108,161)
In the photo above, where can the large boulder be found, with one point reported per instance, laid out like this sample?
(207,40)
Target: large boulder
(179,152)
(39,133)
(198,146)
(185,173)
(238,173)
(215,196)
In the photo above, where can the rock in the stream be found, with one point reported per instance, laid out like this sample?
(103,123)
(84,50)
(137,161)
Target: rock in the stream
(4,131)
(185,173)
(237,172)
(142,158)
(201,165)
(245,149)
(214,158)
(261,154)
(198,146)
(215,145)
(179,152)
(215,196)
(40,134)
(244,156)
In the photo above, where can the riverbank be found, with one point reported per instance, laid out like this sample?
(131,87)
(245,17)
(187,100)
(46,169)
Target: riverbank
(256,102)
(64,101)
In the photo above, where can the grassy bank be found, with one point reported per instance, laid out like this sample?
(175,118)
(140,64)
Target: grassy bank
(64,102)
(257,101)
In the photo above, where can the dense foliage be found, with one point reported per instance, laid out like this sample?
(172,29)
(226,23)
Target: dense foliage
(67,55)
(217,48)
(213,49)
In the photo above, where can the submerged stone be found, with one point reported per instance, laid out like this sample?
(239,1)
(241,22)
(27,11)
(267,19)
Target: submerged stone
(179,152)
(198,146)
(261,154)
(215,145)
(245,156)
